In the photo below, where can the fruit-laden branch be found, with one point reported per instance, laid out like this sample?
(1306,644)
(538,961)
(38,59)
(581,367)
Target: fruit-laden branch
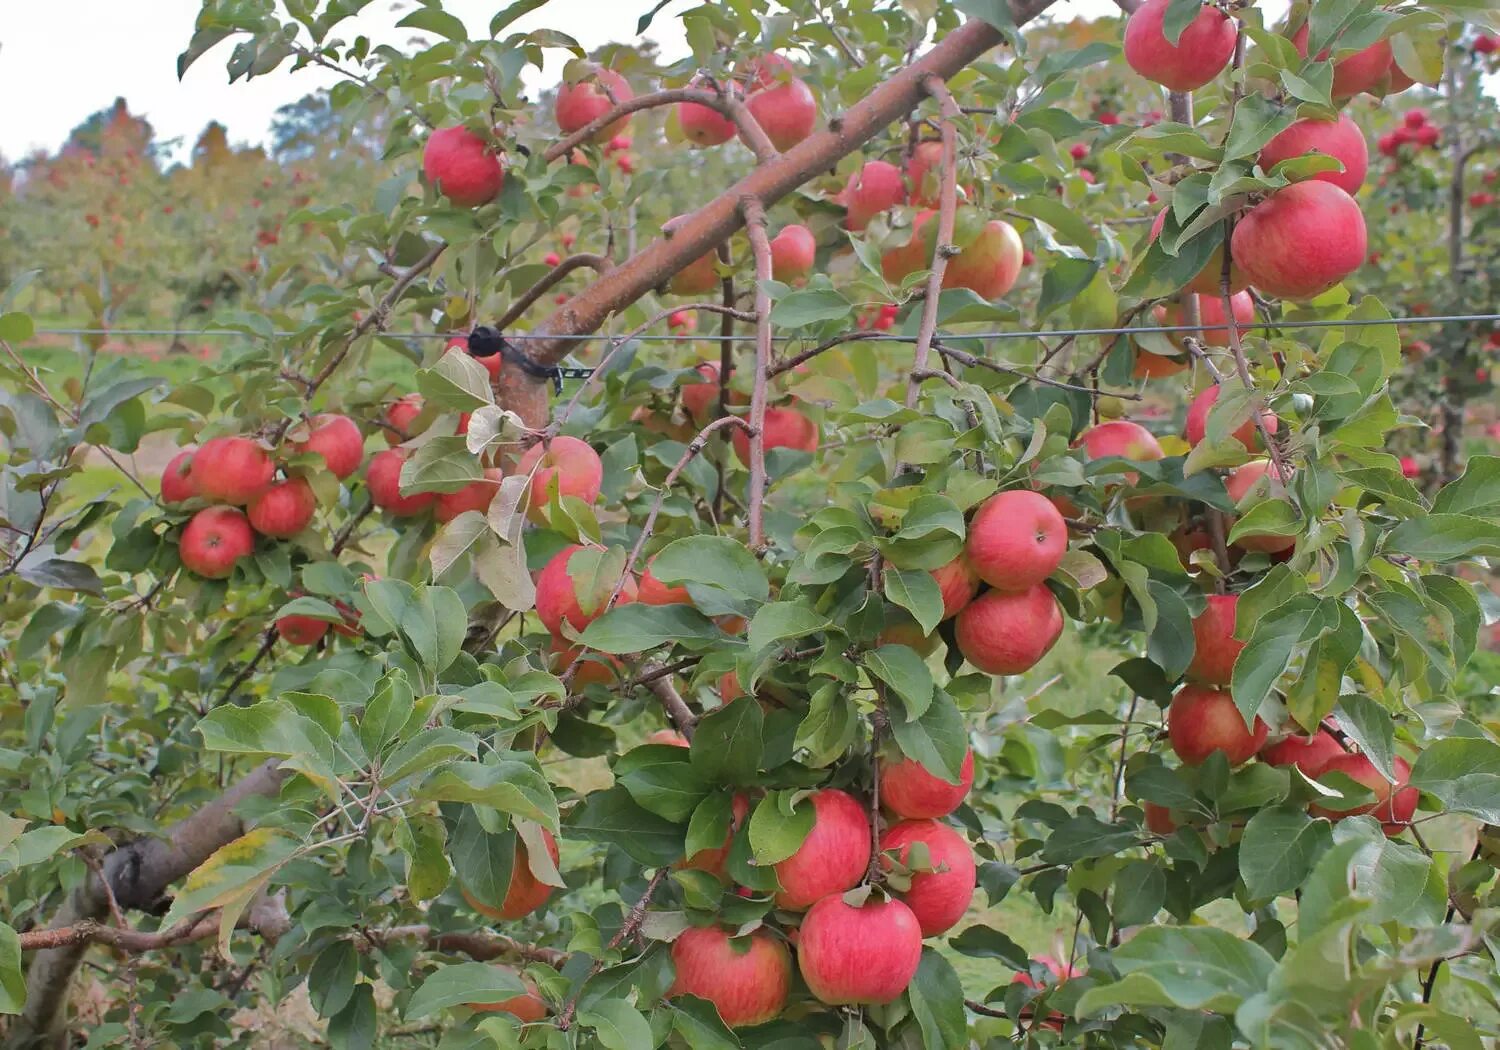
(760,248)
(703,230)
(138,875)
(943,248)
(627,930)
(513,313)
(750,130)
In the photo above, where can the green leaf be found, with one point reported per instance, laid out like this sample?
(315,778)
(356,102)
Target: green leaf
(984,942)
(1464,774)
(618,1025)
(1279,848)
(436,20)
(1476,491)
(712,561)
(1444,537)
(1193,968)
(662,780)
(780,622)
(330,982)
(1084,837)
(634,627)
(775,835)
(699,1024)
(810,306)
(354,1027)
(918,593)
(728,743)
(1179,15)
(12,982)
(511,785)
(938,739)
(440,464)
(1257,120)
(1140,889)
(937,1001)
(232,873)
(458,983)
(907,675)
(612,817)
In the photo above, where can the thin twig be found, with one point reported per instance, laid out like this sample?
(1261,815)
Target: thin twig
(760,247)
(963,357)
(944,248)
(751,133)
(517,309)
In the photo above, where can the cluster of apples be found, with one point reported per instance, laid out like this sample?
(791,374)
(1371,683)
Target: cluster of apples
(1415,130)
(237,476)
(1301,240)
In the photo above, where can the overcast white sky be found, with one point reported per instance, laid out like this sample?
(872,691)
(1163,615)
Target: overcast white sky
(61,60)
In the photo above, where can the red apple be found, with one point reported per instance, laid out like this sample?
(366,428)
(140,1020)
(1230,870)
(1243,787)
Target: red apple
(1002,633)
(231,470)
(697,278)
(529,1007)
(832,858)
(338,440)
(215,539)
(1016,540)
(908,790)
(1215,330)
(1340,139)
(1300,241)
(703,125)
(526,892)
(858,956)
(747,979)
(653,592)
(1358,72)
(1060,972)
(462,166)
(957,583)
(700,399)
(474,496)
(792,254)
(581,103)
(1410,468)
(284,509)
(1201,721)
(785,428)
(1246,433)
(1120,437)
(988,265)
(1394,803)
(875,188)
(939,898)
(589,672)
(383,476)
(1200,54)
(1158,819)
(301,630)
(1310,754)
(1215,646)
(1260,477)
(399,415)
(557,597)
(177,479)
(781,104)
(569,462)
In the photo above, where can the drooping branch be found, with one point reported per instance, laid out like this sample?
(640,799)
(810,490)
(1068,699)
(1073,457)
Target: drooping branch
(751,133)
(943,249)
(760,248)
(517,309)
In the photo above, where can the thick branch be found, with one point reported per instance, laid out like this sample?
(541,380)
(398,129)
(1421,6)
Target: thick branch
(760,247)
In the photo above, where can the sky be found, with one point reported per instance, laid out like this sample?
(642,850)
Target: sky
(64,59)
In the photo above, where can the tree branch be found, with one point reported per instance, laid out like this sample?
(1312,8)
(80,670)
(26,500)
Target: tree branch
(751,133)
(760,247)
(523,302)
(943,249)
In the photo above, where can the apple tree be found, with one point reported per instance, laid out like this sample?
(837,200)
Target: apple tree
(852,485)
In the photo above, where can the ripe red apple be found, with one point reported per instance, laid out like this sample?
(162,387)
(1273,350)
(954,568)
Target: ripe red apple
(231,470)
(703,125)
(338,440)
(781,104)
(529,1007)
(1394,803)
(988,265)
(582,102)
(462,166)
(792,254)
(570,462)
(214,539)
(1016,540)
(1246,433)
(526,892)
(589,672)
(476,495)
(923,170)
(1261,476)
(383,476)
(1060,972)
(1120,437)
(653,592)
(908,790)
(958,583)
(1200,54)
(399,415)
(858,956)
(301,630)
(875,188)
(832,858)
(1410,468)
(1215,331)
(1340,139)
(557,595)
(177,479)
(1215,646)
(700,398)
(785,428)
(1308,753)
(1201,721)
(1361,71)
(1300,241)
(1157,366)
(1158,819)
(747,979)
(939,898)
(284,509)
(1002,633)
(1210,279)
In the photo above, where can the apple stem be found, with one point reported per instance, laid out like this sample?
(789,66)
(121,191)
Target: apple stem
(934,86)
(760,246)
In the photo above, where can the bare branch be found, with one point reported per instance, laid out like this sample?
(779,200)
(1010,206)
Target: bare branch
(760,247)
(751,133)
(523,302)
(947,209)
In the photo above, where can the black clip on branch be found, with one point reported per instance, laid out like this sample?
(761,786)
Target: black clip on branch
(485,341)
